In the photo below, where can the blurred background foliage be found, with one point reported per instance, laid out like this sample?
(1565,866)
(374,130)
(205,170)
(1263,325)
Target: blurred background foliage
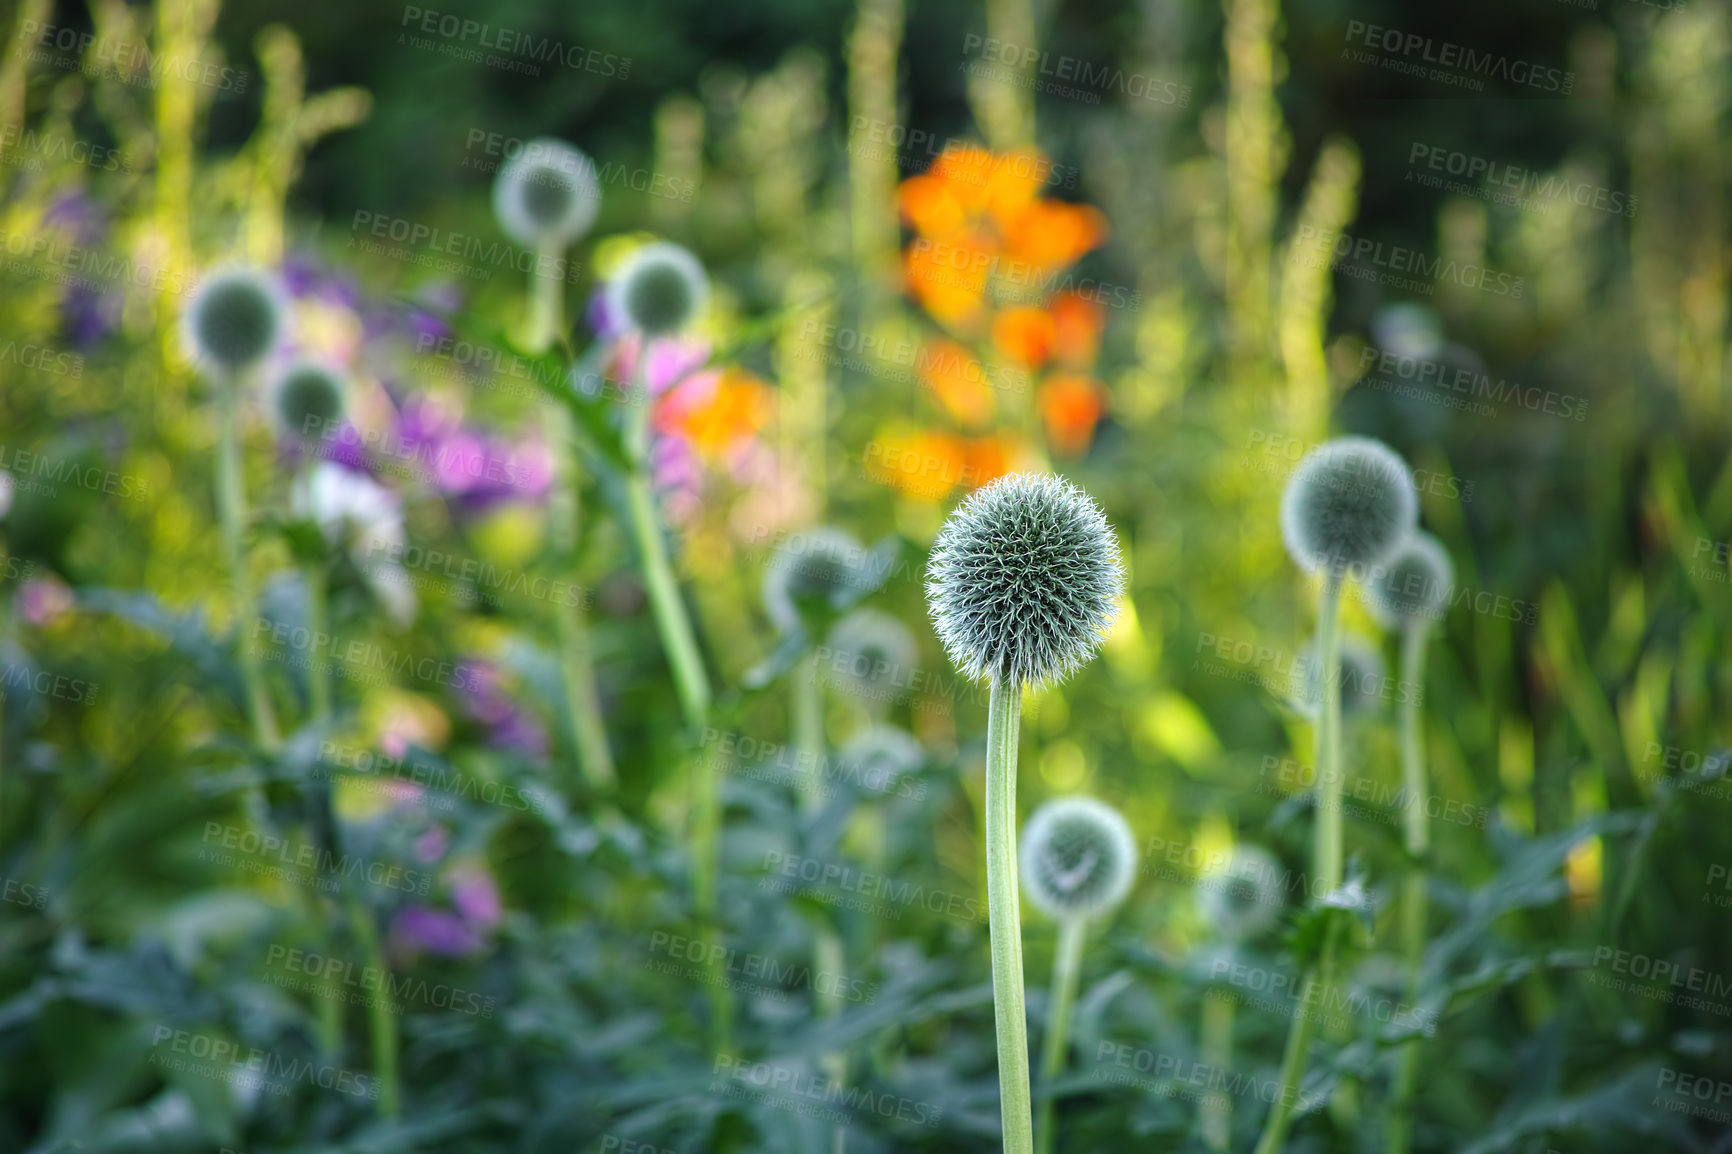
(1569,722)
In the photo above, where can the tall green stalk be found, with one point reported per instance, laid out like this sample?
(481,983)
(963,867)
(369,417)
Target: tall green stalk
(329,1011)
(571,623)
(1414,899)
(1217,1108)
(546,299)
(232,511)
(381,1016)
(1327,861)
(827,958)
(1066,968)
(1004,914)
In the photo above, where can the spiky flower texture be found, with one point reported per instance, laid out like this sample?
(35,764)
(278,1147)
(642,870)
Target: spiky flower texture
(1414,584)
(1078,857)
(1024,580)
(308,398)
(233,321)
(547,194)
(1348,505)
(659,290)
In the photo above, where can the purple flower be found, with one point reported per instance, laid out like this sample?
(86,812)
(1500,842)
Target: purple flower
(418,928)
(508,726)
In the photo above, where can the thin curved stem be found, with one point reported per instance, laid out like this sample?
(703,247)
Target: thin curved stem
(381,1015)
(1004,914)
(318,684)
(1414,899)
(1327,859)
(1217,1107)
(1066,968)
(232,511)
(571,623)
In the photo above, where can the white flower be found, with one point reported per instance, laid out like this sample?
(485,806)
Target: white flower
(357,514)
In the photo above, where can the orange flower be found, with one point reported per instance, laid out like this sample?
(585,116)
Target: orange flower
(717,412)
(932,206)
(957,379)
(1025,335)
(1071,406)
(1049,234)
(1078,323)
(924,464)
(988,460)
(949,276)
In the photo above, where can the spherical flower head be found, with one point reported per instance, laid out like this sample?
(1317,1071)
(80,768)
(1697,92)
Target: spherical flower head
(234,320)
(659,290)
(1242,897)
(822,565)
(1362,677)
(1413,585)
(307,399)
(1349,504)
(871,653)
(880,756)
(1024,580)
(548,194)
(1077,857)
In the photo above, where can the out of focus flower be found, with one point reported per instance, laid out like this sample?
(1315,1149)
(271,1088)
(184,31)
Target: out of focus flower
(461,931)
(44,600)
(715,413)
(508,725)
(927,464)
(478,469)
(364,519)
(959,382)
(1071,405)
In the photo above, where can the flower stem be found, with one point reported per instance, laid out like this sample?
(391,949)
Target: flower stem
(381,1014)
(1004,914)
(318,685)
(571,624)
(1414,897)
(1327,869)
(1067,965)
(1217,1108)
(546,300)
(232,510)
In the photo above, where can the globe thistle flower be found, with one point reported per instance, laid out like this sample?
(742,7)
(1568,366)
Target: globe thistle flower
(1078,857)
(822,565)
(234,320)
(659,291)
(871,652)
(1414,584)
(307,399)
(1348,505)
(547,195)
(1362,677)
(1242,898)
(1024,580)
(881,756)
